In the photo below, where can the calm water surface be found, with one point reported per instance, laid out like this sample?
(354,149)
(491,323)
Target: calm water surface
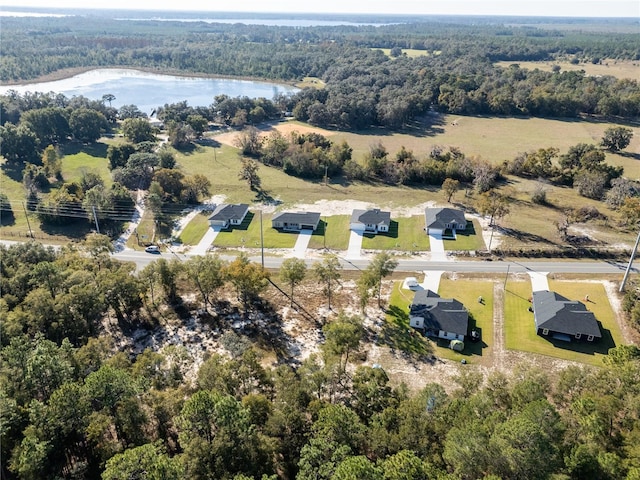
(148,90)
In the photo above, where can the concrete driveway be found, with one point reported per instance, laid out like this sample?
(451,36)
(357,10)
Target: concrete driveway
(203,245)
(355,244)
(438,253)
(539,281)
(302,243)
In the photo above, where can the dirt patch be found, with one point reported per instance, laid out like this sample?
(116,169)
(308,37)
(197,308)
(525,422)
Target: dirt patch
(284,127)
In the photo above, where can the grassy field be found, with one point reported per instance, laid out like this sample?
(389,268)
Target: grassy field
(248,234)
(79,159)
(488,137)
(406,234)
(481,318)
(195,229)
(616,68)
(493,138)
(332,232)
(520,333)
(409,52)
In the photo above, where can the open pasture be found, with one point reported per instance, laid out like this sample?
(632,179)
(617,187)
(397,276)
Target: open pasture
(616,68)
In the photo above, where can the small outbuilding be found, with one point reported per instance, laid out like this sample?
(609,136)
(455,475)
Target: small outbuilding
(295,221)
(226,215)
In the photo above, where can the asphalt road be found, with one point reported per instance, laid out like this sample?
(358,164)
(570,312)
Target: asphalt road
(142,259)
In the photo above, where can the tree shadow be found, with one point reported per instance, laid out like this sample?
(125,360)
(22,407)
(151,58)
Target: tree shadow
(77,229)
(208,142)
(398,335)
(97,149)
(13,170)
(633,155)
(263,196)
(524,236)
(7,218)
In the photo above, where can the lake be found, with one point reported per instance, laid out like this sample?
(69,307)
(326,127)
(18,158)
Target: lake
(149,90)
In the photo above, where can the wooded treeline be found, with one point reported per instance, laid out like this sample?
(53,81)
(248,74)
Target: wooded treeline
(73,406)
(364,86)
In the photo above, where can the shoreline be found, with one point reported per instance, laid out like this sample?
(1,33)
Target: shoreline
(73,71)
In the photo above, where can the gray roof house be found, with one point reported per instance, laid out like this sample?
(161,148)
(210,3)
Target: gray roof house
(438,317)
(374,220)
(227,214)
(437,220)
(296,220)
(563,319)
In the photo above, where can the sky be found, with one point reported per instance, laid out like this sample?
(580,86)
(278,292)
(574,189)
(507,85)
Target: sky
(562,8)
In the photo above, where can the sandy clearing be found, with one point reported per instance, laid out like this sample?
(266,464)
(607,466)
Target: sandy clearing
(285,128)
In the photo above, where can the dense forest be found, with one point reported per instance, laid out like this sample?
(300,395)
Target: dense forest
(364,86)
(74,405)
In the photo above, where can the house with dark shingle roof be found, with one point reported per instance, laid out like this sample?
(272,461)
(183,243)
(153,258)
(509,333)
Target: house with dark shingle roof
(227,214)
(295,221)
(370,221)
(437,220)
(563,319)
(438,317)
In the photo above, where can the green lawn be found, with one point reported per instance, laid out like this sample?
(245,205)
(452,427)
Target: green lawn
(145,233)
(87,159)
(405,234)
(468,239)
(480,318)
(520,332)
(337,233)
(248,234)
(195,229)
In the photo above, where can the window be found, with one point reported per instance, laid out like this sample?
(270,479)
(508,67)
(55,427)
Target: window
(590,338)
(545,331)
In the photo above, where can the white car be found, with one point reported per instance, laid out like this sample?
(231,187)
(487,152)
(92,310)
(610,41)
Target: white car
(411,283)
(152,249)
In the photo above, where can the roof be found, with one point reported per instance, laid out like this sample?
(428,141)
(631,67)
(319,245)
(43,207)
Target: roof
(441,217)
(559,314)
(311,218)
(371,217)
(446,314)
(226,211)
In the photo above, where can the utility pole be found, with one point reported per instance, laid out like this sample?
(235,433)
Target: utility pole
(95,217)
(633,254)
(27,217)
(326,167)
(506,277)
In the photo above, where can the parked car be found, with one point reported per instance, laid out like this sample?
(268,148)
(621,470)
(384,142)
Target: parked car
(152,249)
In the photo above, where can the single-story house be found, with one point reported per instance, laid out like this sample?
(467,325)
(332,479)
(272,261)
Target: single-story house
(374,220)
(563,319)
(227,214)
(296,220)
(437,220)
(438,317)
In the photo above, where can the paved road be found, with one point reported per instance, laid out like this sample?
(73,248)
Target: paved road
(143,259)
(417,265)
